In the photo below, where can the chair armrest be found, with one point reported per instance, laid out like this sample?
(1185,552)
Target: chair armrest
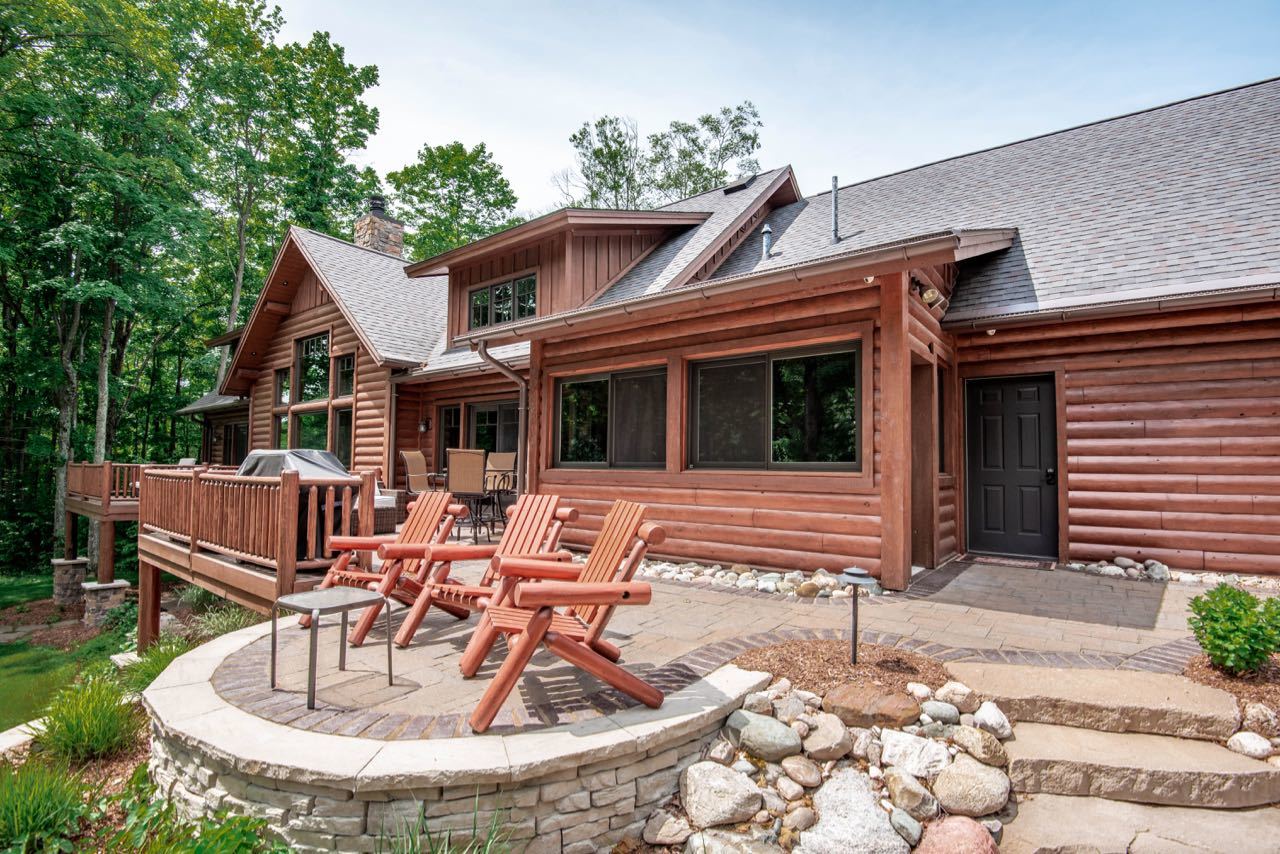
(566,514)
(360,544)
(516,567)
(560,556)
(437,551)
(559,593)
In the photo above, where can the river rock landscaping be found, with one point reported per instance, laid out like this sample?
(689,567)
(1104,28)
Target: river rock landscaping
(819,584)
(873,765)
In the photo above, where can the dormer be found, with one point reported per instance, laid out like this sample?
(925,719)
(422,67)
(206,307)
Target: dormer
(555,263)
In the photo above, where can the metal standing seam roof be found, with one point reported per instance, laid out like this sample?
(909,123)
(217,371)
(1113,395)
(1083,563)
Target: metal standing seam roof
(1152,201)
(402,318)
(212,402)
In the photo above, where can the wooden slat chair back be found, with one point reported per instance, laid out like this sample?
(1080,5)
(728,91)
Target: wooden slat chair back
(431,519)
(466,471)
(576,634)
(534,524)
(415,471)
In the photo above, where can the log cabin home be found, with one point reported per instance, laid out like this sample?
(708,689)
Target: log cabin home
(1064,348)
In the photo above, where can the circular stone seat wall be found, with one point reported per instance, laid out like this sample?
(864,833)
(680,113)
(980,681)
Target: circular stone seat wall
(575,787)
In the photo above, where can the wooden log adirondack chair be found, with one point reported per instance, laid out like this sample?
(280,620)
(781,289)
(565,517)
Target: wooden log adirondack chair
(567,610)
(533,529)
(430,520)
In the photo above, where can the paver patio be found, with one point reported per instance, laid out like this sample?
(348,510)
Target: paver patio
(968,611)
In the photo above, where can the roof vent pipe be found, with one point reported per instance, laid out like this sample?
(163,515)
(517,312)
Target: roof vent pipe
(835,209)
(766,242)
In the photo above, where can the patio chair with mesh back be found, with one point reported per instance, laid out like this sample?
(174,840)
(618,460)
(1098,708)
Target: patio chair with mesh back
(417,478)
(466,480)
(500,479)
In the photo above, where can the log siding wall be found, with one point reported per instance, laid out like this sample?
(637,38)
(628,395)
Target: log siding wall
(1172,432)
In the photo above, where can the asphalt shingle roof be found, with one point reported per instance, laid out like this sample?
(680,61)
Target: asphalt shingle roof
(665,263)
(212,402)
(1156,200)
(402,318)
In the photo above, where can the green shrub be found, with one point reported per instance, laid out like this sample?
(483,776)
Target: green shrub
(152,826)
(197,598)
(40,807)
(150,664)
(90,719)
(418,838)
(1234,629)
(219,621)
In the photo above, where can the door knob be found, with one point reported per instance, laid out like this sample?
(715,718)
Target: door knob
(1050,476)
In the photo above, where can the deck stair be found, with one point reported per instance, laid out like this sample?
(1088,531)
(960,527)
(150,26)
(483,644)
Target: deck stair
(1122,736)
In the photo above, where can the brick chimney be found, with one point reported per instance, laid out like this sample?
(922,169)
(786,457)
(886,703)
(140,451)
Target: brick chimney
(376,230)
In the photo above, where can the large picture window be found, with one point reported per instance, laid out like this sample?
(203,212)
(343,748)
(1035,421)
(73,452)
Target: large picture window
(503,302)
(618,420)
(313,368)
(313,430)
(776,410)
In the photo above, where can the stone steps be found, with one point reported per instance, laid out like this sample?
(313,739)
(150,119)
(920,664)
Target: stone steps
(1052,824)
(1150,769)
(1107,700)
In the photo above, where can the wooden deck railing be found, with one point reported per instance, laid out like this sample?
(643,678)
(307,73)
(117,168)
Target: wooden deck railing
(277,523)
(106,482)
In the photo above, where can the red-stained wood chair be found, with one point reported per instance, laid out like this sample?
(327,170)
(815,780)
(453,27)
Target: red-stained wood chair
(532,529)
(567,609)
(430,520)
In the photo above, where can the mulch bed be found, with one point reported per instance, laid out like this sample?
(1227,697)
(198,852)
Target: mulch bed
(1260,687)
(41,612)
(65,638)
(820,665)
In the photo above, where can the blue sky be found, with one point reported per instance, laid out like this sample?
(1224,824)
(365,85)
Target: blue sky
(856,90)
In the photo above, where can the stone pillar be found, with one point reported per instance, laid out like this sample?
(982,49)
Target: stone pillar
(100,598)
(68,575)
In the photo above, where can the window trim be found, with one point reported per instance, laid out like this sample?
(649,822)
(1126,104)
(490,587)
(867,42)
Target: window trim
(767,357)
(611,425)
(508,279)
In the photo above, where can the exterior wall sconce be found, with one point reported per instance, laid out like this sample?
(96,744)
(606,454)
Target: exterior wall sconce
(424,425)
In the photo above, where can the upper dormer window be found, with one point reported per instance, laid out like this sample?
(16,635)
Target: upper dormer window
(503,302)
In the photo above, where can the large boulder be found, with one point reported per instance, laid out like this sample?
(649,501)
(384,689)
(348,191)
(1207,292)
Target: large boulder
(850,821)
(713,794)
(663,828)
(956,835)
(828,738)
(862,705)
(990,718)
(909,795)
(959,695)
(980,744)
(967,787)
(1259,718)
(921,757)
(768,738)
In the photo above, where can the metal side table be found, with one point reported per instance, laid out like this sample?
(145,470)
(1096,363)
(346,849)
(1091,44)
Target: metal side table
(316,603)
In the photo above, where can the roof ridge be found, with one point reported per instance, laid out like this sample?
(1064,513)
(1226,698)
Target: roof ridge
(352,245)
(722,187)
(1047,134)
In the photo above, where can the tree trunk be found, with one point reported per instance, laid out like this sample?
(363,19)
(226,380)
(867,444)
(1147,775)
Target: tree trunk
(233,314)
(66,397)
(100,415)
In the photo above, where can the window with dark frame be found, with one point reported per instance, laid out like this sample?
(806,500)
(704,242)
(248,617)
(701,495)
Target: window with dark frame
(313,430)
(345,368)
(615,421)
(313,367)
(450,432)
(281,432)
(342,424)
(785,409)
(502,302)
(282,387)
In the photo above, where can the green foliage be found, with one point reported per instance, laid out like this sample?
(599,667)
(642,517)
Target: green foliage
(1236,631)
(153,661)
(220,621)
(197,598)
(152,826)
(90,720)
(613,168)
(19,589)
(419,839)
(451,196)
(41,805)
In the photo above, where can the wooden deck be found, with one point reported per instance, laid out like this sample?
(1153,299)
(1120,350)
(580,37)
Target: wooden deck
(247,539)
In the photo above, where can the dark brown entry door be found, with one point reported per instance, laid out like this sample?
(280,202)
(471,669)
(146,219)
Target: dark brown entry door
(1012,466)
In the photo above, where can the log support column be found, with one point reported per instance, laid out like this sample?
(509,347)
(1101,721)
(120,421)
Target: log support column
(69,529)
(895,432)
(148,604)
(106,551)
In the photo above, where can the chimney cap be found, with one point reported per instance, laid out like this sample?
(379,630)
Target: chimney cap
(378,206)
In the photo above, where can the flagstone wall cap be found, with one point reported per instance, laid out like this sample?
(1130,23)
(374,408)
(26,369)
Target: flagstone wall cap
(184,707)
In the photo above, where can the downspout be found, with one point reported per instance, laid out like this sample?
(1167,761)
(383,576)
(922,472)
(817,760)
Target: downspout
(522,426)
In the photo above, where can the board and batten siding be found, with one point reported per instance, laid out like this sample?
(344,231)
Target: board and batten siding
(1172,428)
(782,519)
(312,312)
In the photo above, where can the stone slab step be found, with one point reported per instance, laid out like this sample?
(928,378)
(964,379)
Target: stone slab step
(1054,824)
(1150,769)
(1109,700)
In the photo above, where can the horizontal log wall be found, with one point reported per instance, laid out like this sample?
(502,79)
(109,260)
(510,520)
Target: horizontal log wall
(776,519)
(1172,432)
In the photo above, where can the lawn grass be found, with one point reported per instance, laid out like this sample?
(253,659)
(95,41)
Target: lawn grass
(31,674)
(16,589)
